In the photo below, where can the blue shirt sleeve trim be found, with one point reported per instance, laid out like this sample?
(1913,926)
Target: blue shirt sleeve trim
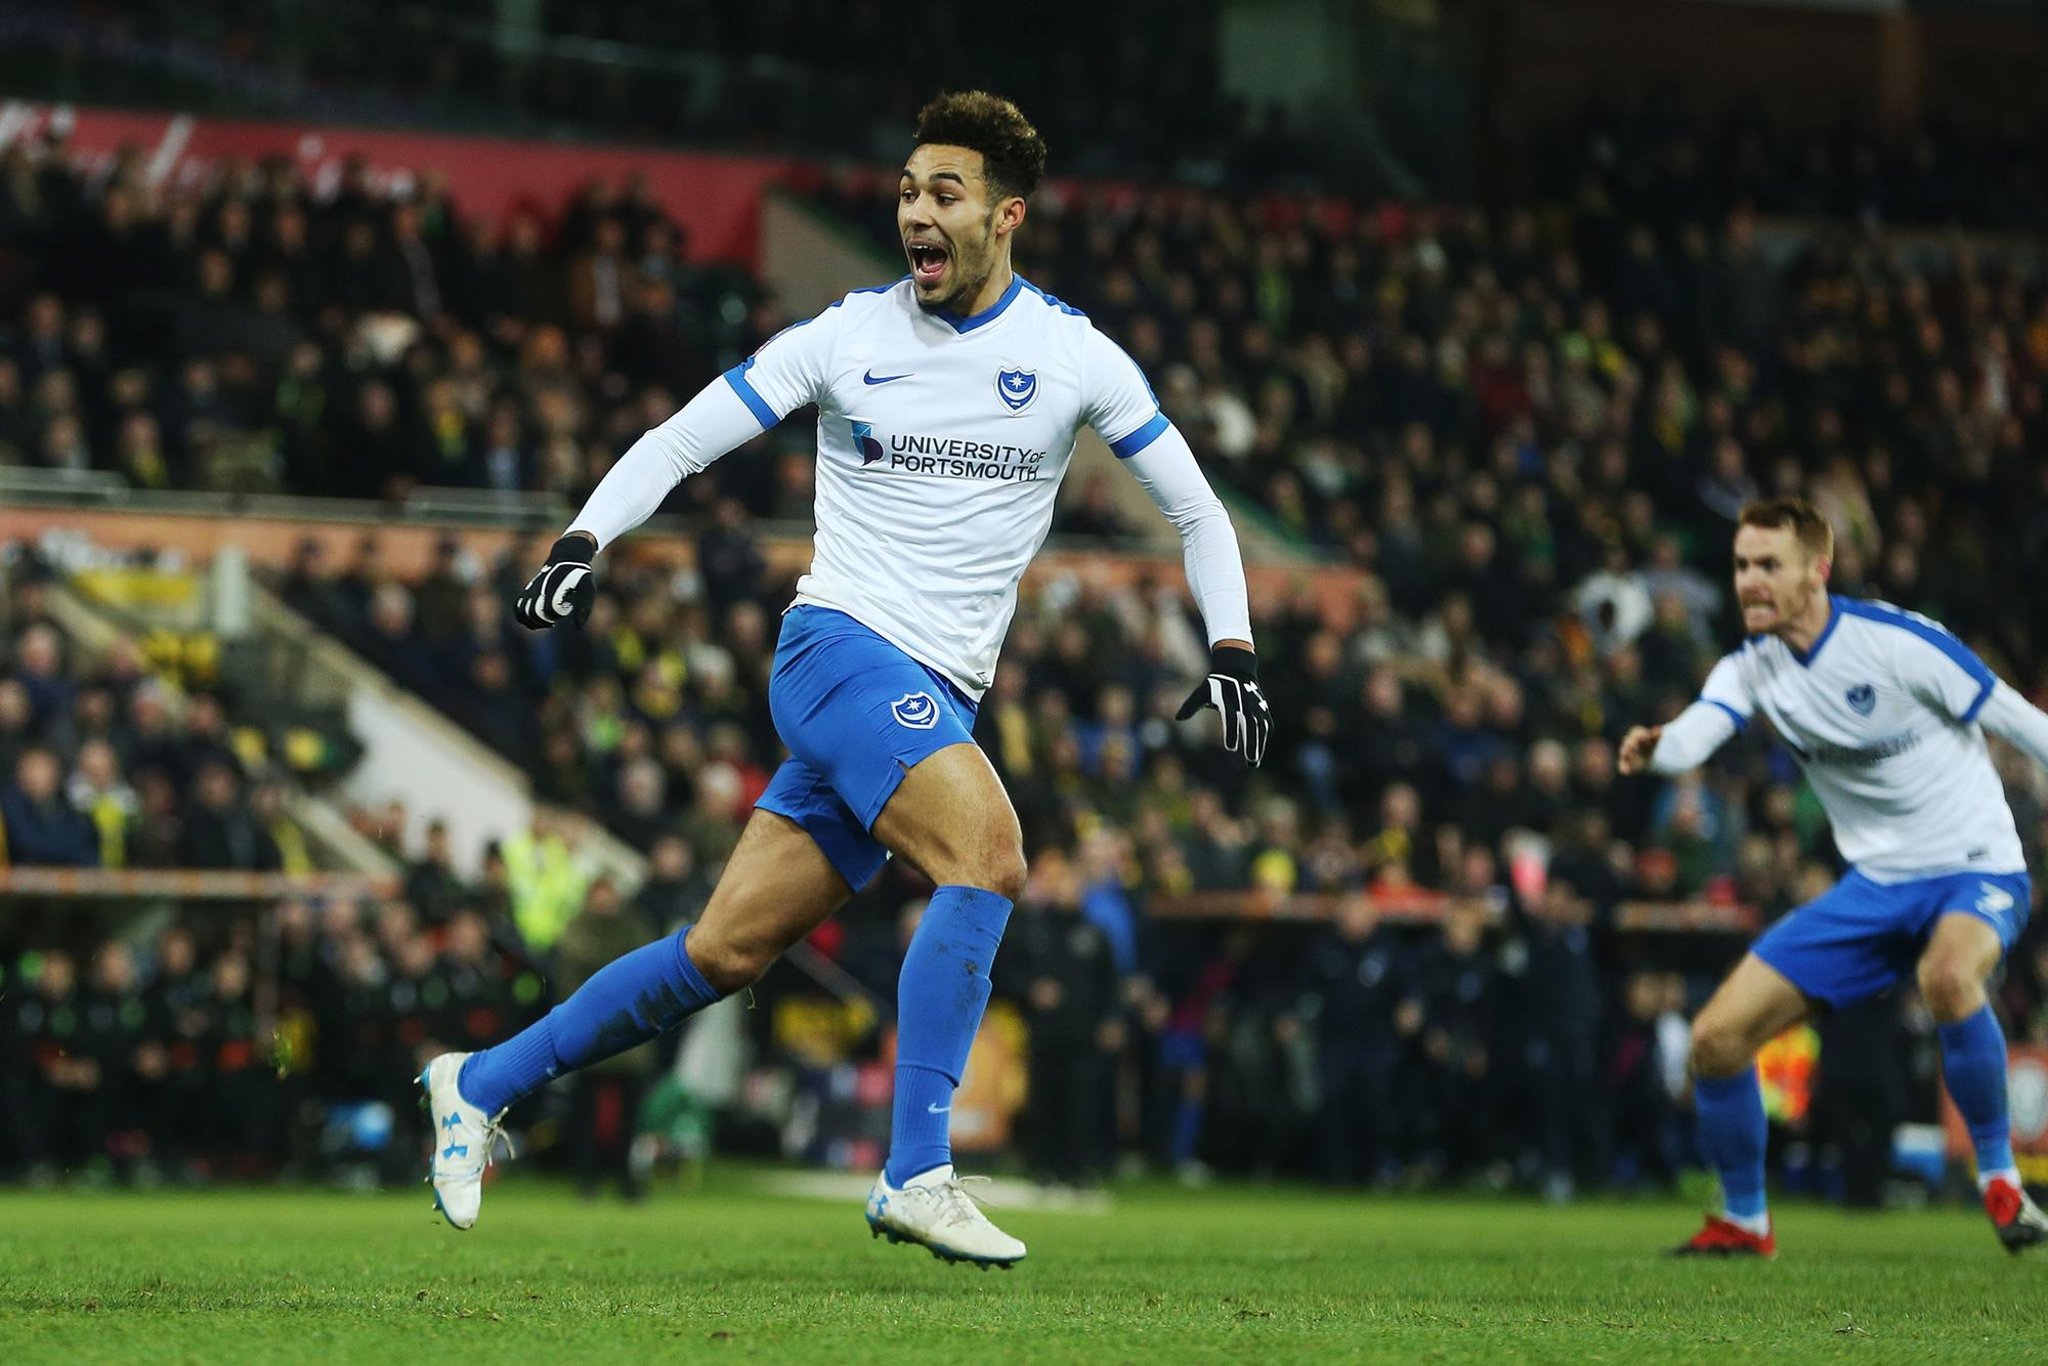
(1741,721)
(1961,655)
(1983,695)
(1125,447)
(758,406)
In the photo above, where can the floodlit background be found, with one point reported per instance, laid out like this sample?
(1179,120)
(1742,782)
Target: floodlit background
(318,321)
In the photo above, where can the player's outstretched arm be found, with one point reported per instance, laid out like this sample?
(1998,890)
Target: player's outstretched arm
(706,427)
(1121,407)
(739,405)
(1723,709)
(1167,470)
(2012,718)
(1681,744)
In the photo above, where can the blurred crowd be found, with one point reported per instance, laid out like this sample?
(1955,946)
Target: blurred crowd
(283,1038)
(218,1050)
(1660,162)
(252,335)
(104,764)
(1529,1045)
(1528,434)
(1146,96)
(1143,96)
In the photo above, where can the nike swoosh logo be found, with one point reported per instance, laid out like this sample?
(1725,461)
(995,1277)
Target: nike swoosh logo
(872,378)
(939,1109)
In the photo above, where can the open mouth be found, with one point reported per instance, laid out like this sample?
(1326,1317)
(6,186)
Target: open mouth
(927,262)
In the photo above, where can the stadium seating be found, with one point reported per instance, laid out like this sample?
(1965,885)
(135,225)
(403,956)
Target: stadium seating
(1141,97)
(113,765)
(1527,432)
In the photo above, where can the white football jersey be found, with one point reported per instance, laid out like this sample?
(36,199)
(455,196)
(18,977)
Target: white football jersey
(941,445)
(1882,713)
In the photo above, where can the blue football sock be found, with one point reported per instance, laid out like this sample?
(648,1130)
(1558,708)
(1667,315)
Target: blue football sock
(1732,1134)
(628,1001)
(1973,1067)
(939,999)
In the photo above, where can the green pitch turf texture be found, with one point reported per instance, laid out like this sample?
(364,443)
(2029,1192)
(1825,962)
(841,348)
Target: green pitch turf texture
(1224,1274)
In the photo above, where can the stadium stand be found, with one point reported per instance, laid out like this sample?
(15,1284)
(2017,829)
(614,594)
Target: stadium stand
(778,77)
(113,765)
(1527,432)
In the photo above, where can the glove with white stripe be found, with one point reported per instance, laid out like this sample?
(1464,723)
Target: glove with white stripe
(1232,688)
(563,590)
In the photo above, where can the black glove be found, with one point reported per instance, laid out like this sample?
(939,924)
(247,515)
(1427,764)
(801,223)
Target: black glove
(563,590)
(1232,688)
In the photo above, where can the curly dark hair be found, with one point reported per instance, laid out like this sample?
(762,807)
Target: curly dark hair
(1012,152)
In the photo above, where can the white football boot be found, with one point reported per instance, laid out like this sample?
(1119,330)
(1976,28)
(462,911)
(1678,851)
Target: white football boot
(463,1139)
(936,1211)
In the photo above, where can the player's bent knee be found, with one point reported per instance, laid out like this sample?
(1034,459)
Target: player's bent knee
(727,964)
(994,863)
(1719,1050)
(1951,988)
(1006,874)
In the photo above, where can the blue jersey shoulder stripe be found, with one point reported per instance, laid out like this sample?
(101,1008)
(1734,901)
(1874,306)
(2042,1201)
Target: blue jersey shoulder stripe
(867,289)
(1060,304)
(1984,692)
(737,376)
(1958,653)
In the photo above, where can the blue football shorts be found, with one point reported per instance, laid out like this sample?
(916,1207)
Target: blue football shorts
(1861,936)
(857,714)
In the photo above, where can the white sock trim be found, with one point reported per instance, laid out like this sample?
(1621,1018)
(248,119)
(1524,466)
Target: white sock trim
(1984,1179)
(1758,1224)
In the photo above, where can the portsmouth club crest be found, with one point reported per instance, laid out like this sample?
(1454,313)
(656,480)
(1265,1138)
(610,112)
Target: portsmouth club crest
(1017,388)
(917,710)
(1862,699)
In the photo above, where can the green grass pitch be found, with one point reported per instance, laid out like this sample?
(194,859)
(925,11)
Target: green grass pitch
(1226,1274)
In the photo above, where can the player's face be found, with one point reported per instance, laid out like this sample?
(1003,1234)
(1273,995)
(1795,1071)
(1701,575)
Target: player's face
(954,232)
(1776,580)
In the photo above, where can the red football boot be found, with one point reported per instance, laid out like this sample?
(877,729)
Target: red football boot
(2019,1220)
(1722,1238)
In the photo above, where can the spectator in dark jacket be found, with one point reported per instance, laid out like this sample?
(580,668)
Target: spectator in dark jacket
(1063,968)
(221,832)
(42,828)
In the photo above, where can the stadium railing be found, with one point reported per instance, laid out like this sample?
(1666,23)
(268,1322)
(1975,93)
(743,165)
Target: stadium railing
(1422,906)
(194,887)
